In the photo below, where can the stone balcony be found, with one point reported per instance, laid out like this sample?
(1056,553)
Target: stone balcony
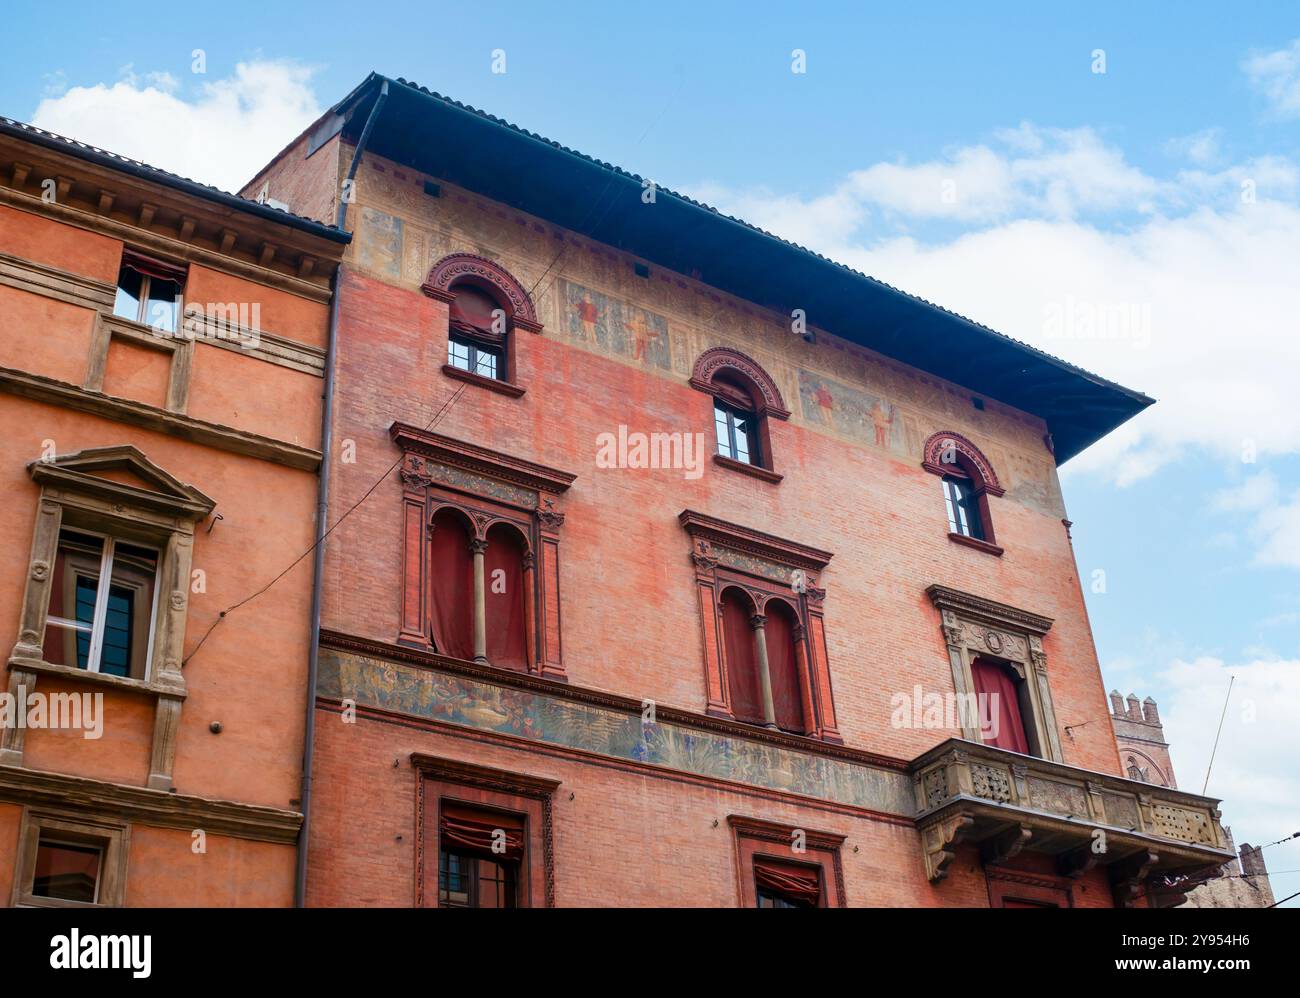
(1007,803)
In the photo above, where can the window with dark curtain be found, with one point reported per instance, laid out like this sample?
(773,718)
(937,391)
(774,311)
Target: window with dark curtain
(783,667)
(963,507)
(742,666)
(149,291)
(503,570)
(477,341)
(479,854)
(451,579)
(786,885)
(997,688)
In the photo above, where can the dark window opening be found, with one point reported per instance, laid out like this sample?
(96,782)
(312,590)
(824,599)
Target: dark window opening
(67,872)
(469,880)
(780,884)
(149,291)
(737,433)
(963,507)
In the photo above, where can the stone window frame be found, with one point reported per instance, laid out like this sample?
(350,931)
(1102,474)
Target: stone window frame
(501,285)
(163,515)
(726,555)
(531,797)
(111,835)
(971,626)
(754,837)
(764,400)
(488,488)
(945,452)
(178,345)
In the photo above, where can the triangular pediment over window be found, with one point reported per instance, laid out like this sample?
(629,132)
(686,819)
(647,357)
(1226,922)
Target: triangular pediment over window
(124,474)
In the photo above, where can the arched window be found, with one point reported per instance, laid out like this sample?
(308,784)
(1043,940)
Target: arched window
(1001,695)
(477,332)
(486,306)
(968,482)
(507,641)
(744,399)
(451,583)
(763,662)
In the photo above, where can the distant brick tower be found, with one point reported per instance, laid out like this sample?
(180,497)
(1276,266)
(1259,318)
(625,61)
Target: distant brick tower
(1141,737)
(1241,883)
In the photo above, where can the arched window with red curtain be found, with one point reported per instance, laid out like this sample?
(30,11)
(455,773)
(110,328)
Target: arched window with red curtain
(781,629)
(478,333)
(503,571)
(998,687)
(743,684)
(451,578)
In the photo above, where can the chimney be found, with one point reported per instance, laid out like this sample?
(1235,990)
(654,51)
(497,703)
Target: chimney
(1116,703)
(1134,708)
(1149,711)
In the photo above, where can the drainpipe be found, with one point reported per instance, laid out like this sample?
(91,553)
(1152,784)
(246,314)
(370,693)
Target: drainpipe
(322,514)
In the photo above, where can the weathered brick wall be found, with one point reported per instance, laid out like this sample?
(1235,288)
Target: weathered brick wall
(631,622)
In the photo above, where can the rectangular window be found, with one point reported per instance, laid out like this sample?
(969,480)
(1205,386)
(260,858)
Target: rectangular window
(476,358)
(149,291)
(466,880)
(479,853)
(779,884)
(69,861)
(963,508)
(103,600)
(736,432)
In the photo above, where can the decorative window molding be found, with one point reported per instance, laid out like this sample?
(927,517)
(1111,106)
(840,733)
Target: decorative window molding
(492,790)
(962,465)
(492,277)
(756,839)
(973,626)
(59,828)
(487,488)
(716,359)
(765,568)
(144,504)
(744,397)
(1017,889)
(478,352)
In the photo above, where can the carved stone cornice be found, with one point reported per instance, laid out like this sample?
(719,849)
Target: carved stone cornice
(150,417)
(753,542)
(148,807)
(987,611)
(77,472)
(479,460)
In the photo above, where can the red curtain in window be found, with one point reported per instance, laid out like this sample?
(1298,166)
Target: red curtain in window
(153,267)
(503,578)
(461,826)
(795,881)
(471,311)
(742,667)
(999,700)
(783,667)
(451,581)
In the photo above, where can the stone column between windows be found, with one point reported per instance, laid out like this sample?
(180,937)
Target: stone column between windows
(758,622)
(479,549)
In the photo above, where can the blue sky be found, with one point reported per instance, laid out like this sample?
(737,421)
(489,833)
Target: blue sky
(1169,186)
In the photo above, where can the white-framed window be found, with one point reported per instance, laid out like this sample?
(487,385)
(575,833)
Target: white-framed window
(149,292)
(103,604)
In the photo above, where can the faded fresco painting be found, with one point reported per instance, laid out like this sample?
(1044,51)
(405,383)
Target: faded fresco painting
(615,327)
(379,248)
(408,689)
(852,412)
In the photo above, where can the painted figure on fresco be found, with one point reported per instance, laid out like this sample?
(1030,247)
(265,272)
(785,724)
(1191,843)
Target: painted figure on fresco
(643,337)
(825,404)
(588,316)
(882,418)
(380,248)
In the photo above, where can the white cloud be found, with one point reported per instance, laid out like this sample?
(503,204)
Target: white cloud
(1178,287)
(1276,75)
(1254,767)
(1202,147)
(220,134)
